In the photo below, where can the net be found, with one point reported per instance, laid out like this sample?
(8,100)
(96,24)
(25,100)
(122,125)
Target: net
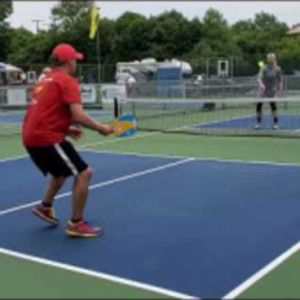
(14,101)
(11,117)
(11,114)
(215,117)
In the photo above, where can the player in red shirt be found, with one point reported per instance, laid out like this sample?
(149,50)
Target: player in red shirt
(56,105)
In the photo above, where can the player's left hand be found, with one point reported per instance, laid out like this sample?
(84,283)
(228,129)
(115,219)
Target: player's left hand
(75,133)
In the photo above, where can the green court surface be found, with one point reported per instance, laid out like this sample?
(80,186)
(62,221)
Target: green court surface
(22,278)
(38,281)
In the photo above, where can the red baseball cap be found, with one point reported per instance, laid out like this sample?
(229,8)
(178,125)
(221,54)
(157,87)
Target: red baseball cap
(65,52)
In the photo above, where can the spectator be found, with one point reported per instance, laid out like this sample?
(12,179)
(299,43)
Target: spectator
(129,83)
(46,71)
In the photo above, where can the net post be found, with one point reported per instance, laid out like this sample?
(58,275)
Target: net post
(116,108)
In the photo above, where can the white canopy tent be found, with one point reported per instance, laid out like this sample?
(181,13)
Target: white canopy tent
(9,68)
(10,74)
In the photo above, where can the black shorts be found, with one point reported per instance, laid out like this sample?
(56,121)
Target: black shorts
(259,106)
(273,105)
(59,160)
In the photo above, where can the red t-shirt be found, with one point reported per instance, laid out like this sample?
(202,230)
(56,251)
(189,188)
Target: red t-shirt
(48,116)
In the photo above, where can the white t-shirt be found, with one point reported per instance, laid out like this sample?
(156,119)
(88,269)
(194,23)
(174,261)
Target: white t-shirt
(42,76)
(130,81)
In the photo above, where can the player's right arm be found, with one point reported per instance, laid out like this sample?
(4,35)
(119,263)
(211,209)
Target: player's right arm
(71,96)
(79,116)
(260,77)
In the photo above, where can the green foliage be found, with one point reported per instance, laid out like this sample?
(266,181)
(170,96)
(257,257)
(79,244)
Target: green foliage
(131,39)
(20,41)
(67,13)
(255,38)
(215,26)
(216,41)
(169,35)
(5,10)
(288,50)
(259,36)
(172,35)
(4,41)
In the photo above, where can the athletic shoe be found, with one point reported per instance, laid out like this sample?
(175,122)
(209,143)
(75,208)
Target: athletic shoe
(83,229)
(45,213)
(275,126)
(257,126)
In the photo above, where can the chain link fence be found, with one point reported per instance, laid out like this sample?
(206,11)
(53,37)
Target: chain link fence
(202,82)
(210,88)
(86,73)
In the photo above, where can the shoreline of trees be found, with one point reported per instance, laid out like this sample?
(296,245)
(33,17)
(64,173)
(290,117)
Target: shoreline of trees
(169,35)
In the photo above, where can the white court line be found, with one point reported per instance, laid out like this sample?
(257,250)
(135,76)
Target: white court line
(102,184)
(220,160)
(13,158)
(263,272)
(95,274)
(98,274)
(162,155)
(223,121)
(89,145)
(240,288)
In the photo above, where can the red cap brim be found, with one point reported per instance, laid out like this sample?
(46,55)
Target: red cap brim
(79,56)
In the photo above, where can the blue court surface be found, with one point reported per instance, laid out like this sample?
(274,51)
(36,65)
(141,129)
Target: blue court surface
(199,227)
(286,122)
(12,118)
(18,117)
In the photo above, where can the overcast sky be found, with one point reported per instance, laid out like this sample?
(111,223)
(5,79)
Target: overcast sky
(289,12)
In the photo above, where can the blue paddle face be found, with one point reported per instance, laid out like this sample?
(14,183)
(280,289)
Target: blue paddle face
(125,126)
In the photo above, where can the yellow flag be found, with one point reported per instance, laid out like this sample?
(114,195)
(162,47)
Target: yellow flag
(94,22)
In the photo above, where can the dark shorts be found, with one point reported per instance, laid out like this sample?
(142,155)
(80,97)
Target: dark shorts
(60,160)
(273,105)
(260,105)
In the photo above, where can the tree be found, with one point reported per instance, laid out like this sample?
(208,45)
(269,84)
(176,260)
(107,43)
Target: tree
(287,51)
(244,33)
(214,25)
(4,41)
(131,40)
(195,32)
(67,13)
(20,40)
(268,32)
(172,35)
(256,38)
(71,24)
(265,22)
(133,37)
(5,11)
(217,41)
(259,36)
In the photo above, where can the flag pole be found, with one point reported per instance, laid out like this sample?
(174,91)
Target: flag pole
(98,51)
